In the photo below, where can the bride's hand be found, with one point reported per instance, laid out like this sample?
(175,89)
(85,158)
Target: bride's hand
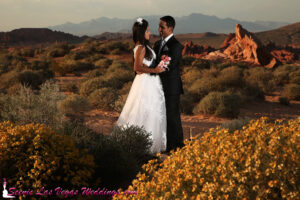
(159,69)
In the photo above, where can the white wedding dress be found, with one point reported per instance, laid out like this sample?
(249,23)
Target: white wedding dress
(145,106)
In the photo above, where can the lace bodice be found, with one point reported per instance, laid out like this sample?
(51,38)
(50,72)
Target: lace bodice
(145,61)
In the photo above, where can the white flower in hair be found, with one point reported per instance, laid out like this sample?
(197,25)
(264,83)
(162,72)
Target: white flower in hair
(140,20)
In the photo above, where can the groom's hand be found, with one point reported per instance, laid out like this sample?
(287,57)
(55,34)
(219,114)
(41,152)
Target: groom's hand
(139,72)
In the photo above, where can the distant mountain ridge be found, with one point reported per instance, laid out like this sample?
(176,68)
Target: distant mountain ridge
(31,36)
(289,34)
(194,23)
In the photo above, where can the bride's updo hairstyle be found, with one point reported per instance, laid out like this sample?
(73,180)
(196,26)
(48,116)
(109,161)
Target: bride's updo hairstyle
(138,35)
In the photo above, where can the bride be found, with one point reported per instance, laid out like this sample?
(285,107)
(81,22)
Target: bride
(145,104)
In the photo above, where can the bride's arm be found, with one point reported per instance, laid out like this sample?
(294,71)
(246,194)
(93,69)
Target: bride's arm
(140,67)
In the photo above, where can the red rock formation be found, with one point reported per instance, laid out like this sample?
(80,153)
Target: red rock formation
(246,47)
(195,50)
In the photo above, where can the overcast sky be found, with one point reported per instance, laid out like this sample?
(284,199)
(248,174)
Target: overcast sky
(42,13)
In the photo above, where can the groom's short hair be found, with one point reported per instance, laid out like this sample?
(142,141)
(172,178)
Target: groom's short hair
(170,21)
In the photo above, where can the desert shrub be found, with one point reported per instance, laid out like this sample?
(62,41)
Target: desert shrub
(5,62)
(116,52)
(201,63)
(57,52)
(120,102)
(104,98)
(126,88)
(28,107)
(230,77)
(282,72)
(38,65)
(33,156)
(117,78)
(73,104)
(187,60)
(187,103)
(30,78)
(236,124)
(116,64)
(261,161)
(116,156)
(253,92)
(292,91)
(56,68)
(222,65)
(28,52)
(69,87)
(69,66)
(133,139)
(109,46)
(103,63)
(89,86)
(94,73)
(190,75)
(259,77)
(284,101)
(294,77)
(78,54)
(8,80)
(201,87)
(223,104)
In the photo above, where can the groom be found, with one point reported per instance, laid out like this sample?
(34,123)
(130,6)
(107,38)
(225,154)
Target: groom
(171,81)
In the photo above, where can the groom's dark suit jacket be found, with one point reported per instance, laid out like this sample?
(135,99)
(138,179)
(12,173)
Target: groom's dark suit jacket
(171,81)
(172,86)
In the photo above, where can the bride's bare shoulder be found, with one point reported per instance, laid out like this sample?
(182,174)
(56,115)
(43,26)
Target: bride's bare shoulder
(140,49)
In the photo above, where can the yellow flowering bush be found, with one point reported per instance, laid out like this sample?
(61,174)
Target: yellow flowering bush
(33,156)
(260,161)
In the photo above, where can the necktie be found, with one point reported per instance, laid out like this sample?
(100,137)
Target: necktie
(161,46)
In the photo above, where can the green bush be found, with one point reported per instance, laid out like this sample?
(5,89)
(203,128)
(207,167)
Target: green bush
(69,87)
(187,103)
(117,78)
(230,77)
(28,107)
(27,52)
(30,78)
(103,63)
(284,101)
(57,52)
(94,73)
(223,104)
(259,77)
(190,75)
(117,155)
(282,74)
(187,60)
(126,88)
(295,77)
(236,124)
(104,98)
(116,52)
(292,91)
(5,63)
(201,63)
(89,86)
(133,139)
(74,104)
(9,79)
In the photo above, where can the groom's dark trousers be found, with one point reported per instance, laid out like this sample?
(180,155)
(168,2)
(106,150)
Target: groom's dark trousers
(172,86)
